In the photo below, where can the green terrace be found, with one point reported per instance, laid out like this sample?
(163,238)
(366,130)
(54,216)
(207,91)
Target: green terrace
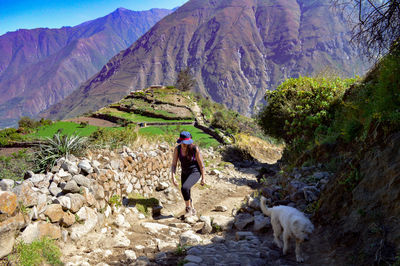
(138,118)
(66,128)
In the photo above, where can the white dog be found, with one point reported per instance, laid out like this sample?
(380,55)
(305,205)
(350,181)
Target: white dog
(292,222)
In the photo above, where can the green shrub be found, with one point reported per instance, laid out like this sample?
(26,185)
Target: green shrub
(54,148)
(299,106)
(37,253)
(9,134)
(103,137)
(374,101)
(27,124)
(227,121)
(115,200)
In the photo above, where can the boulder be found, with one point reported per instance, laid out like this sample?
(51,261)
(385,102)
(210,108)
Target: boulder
(189,238)
(130,254)
(215,172)
(77,201)
(54,212)
(71,187)
(89,197)
(68,219)
(162,185)
(243,219)
(207,228)
(64,175)
(54,190)
(221,208)
(85,167)
(82,180)
(154,228)
(120,240)
(115,164)
(64,201)
(191,219)
(26,194)
(260,221)
(165,245)
(8,230)
(70,167)
(223,222)
(8,202)
(6,184)
(39,230)
(254,203)
(79,230)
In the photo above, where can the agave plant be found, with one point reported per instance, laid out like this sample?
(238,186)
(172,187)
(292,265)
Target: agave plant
(51,149)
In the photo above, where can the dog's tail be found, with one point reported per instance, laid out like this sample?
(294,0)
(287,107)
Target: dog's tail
(264,207)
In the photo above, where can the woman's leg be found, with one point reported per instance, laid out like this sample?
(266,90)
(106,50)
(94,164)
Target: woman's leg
(187,184)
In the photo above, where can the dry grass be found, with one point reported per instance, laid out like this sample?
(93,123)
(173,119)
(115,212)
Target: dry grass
(259,149)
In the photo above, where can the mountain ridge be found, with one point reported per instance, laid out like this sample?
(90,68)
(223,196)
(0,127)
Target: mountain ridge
(42,66)
(236,50)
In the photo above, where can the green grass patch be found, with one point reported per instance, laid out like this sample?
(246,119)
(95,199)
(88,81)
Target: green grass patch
(138,118)
(141,203)
(171,134)
(66,128)
(39,252)
(15,165)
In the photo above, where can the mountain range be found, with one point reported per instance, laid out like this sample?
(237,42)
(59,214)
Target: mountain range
(40,67)
(236,49)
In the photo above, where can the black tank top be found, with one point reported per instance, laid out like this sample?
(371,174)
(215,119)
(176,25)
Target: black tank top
(188,165)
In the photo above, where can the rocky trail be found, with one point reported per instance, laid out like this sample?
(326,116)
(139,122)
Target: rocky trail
(119,208)
(216,236)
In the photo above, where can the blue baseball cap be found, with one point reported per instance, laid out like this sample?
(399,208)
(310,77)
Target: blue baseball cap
(185,138)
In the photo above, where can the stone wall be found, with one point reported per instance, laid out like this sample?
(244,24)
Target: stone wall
(71,199)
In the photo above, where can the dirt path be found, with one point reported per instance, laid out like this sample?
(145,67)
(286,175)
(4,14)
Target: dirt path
(109,244)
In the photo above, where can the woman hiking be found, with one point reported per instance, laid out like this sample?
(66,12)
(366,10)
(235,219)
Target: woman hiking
(192,168)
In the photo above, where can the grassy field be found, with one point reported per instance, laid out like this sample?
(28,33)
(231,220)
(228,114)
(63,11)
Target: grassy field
(135,117)
(67,128)
(166,133)
(171,134)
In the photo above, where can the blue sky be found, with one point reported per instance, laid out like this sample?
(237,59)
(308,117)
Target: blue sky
(29,14)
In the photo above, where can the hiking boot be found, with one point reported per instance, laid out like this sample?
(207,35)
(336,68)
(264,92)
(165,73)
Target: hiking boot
(194,212)
(188,211)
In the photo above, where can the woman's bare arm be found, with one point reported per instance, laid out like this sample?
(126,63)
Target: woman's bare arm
(199,159)
(173,166)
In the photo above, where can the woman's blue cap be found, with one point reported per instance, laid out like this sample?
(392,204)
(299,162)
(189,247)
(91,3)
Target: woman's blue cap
(185,138)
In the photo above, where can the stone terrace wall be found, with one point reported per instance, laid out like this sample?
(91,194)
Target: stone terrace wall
(71,199)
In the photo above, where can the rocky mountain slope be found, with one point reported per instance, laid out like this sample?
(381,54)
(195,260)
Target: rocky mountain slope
(236,50)
(40,67)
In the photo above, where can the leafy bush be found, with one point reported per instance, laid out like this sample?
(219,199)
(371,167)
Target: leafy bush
(37,253)
(27,124)
(115,200)
(227,121)
(185,80)
(299,106)
(9,134)
(113,138)
(15,165)
(54,148)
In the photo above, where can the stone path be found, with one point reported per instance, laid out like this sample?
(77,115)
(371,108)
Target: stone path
(129,238)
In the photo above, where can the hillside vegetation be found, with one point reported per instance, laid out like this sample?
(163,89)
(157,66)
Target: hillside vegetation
(351,128)
(156,114)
